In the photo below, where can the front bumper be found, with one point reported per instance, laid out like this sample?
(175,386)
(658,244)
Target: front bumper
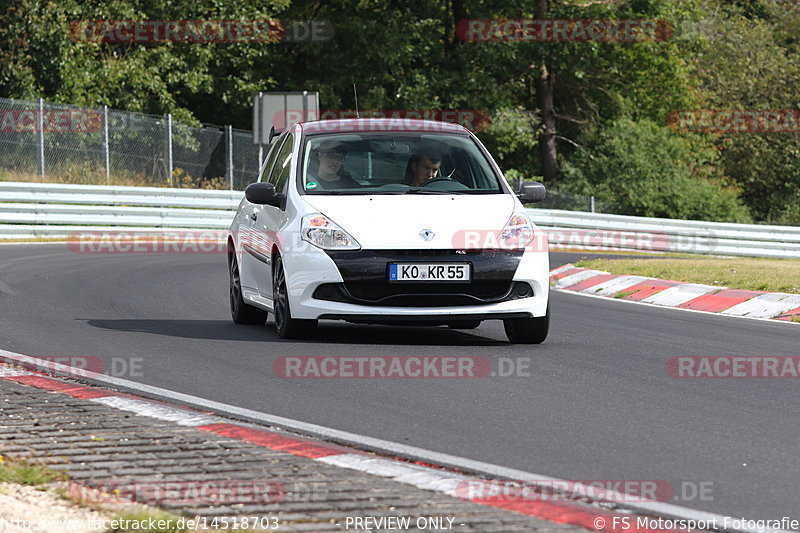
(354,286)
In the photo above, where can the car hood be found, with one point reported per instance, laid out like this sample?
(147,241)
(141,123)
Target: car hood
(385,222)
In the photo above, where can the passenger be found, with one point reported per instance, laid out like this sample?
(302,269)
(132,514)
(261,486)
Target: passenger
(326,168)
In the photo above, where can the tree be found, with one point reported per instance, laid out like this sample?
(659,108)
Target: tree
(643,168)
(747,59)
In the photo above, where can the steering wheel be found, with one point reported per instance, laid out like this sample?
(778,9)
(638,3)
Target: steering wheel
(437,180)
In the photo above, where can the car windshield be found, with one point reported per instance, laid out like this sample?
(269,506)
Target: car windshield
(397,163)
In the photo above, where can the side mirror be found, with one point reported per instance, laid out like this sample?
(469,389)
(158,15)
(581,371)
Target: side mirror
(531,192)
(262,193)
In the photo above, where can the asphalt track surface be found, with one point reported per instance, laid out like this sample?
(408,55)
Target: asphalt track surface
(598,404)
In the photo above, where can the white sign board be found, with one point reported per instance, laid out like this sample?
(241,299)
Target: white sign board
(280,110)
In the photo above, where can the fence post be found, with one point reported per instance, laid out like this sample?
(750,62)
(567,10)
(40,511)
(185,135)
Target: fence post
(169,147)
(591,203)
(229,152)
(105,144)
(40,127)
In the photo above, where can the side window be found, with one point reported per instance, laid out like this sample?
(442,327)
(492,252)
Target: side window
(273,154)
(283,165)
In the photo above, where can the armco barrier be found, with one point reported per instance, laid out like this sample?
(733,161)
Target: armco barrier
(42,210)
(595,231)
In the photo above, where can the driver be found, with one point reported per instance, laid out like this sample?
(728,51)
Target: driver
(422,166)
(326,168)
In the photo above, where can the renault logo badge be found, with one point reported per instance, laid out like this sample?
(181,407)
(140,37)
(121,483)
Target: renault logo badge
(427,234)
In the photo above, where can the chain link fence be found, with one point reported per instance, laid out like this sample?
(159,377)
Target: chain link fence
(60,143)
(566,201)
(43,141)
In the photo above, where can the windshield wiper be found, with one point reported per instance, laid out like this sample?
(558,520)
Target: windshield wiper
(420,190)
(337,192)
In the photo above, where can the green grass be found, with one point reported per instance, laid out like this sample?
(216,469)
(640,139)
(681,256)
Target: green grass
(771,275)
(14,471)
(623,294)
(22,473)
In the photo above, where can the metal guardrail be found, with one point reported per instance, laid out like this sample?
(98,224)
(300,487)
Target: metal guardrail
(42,210)
(595,231)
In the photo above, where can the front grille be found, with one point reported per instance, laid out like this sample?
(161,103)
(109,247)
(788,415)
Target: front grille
(365,275)
(422,295)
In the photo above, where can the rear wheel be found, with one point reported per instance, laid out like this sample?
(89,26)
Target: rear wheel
(528,330)
(288,327)
(241,312)
(467,324)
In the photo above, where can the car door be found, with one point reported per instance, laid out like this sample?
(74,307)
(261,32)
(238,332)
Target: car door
(252,240)
(269,219)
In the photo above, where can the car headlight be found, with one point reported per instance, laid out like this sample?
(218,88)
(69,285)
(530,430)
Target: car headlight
(518,232)
(324,233)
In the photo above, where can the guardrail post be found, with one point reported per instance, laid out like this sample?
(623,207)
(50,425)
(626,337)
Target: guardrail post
(591,204)
(105,144)
(169,148)
(40,127)
(229,153)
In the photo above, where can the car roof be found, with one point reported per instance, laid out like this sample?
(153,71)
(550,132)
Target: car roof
(381,125)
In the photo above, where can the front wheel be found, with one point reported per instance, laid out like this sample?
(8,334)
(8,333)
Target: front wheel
(241,312)
(528,330)
(288,327)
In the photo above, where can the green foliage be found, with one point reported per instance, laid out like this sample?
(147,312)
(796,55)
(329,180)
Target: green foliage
(22,473)
(648,170)
(611,98)
(40,57)
(747,59)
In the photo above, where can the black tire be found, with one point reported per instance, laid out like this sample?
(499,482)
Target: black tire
(241,312)
(528,330)
(287,327)
(467,324)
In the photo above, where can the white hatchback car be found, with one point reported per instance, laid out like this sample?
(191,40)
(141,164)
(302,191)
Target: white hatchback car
(387,221)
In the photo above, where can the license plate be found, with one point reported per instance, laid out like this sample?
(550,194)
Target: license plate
(429,272)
